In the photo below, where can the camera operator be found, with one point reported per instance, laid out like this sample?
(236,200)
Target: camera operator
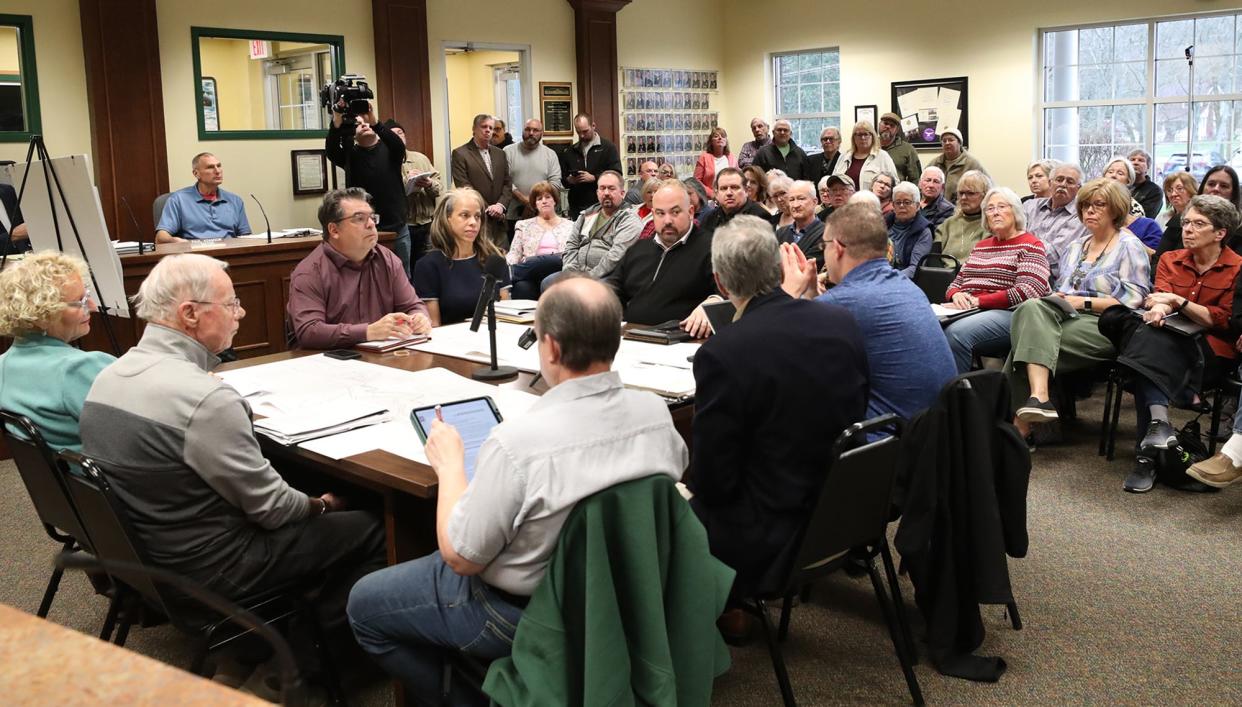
(372,156)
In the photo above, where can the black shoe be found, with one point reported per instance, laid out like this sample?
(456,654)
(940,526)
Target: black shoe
(1035,411)
(1160,435)
(1142,478)
(1030,443)
(1189,485)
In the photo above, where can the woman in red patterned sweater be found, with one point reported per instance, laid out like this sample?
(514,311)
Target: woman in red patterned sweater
(1004,270)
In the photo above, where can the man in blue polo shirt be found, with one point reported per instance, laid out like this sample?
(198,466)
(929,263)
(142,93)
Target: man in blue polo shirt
(203,210)
(908,357)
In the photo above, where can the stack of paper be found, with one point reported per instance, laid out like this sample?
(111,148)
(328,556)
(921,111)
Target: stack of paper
(299,427)
(516,311)
(127,247)
(392,344)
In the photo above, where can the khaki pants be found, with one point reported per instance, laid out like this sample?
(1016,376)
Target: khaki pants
(1041,333)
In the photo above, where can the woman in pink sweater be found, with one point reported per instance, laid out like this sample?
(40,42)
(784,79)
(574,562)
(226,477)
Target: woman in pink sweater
(715,157)
(1004,270)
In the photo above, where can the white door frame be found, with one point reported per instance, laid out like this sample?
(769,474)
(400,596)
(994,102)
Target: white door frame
(523,52)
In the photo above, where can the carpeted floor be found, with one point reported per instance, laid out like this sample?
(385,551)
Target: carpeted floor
(1126,599)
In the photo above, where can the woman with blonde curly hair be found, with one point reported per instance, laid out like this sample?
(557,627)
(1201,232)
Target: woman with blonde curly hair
(44,305)
(450,275)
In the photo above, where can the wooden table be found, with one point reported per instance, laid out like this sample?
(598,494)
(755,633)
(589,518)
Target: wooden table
(260,273)
(408,488)
(45,663)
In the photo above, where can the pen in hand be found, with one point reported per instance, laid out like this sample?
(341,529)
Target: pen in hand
(439,413)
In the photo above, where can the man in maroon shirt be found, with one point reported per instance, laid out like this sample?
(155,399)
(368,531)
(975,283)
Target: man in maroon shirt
(348,290)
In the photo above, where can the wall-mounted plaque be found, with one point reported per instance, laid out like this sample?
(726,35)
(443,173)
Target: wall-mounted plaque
(556,107)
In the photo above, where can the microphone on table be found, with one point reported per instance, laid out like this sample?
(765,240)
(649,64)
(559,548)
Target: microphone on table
(495,269)
(265,221)
(137,228)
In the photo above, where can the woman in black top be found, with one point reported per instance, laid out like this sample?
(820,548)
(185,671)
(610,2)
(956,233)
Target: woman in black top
(450,275)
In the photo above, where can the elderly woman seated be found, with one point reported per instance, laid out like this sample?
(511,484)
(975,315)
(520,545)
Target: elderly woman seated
(960,232)
(1003,271)
(778,186)
(1194,292)
(1061,333)
(44,306)
(908,229)
(1148,231)
(1039,179)
(882,187)
(1179,188)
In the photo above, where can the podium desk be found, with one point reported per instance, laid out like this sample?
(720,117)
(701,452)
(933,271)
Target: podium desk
(260,273)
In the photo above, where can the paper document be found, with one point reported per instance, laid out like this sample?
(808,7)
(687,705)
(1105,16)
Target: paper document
(942,311)
(300,426)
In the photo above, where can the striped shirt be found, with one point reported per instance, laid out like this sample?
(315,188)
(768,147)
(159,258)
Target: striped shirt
(1123,273)
(1005,273)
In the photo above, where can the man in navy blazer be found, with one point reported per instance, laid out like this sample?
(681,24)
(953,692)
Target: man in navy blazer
(774,390)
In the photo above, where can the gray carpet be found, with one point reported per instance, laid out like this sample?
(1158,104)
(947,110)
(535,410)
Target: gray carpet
(1127,599)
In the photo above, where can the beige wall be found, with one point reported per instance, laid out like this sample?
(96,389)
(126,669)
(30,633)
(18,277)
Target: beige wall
(62,77)
(473,91)
(258,166)
(992,43)
(228,62)
(545,26)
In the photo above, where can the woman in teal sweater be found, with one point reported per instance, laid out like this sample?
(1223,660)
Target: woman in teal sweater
(44,305)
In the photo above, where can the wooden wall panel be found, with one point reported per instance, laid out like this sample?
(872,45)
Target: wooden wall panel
(126,98)
(403,69)
(595,34)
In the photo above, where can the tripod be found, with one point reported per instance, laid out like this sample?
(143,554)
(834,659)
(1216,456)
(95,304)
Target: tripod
(38,149)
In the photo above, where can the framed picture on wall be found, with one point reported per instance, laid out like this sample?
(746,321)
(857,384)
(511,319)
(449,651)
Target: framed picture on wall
(211,105)
(310,172)
(931,106)
(866,113)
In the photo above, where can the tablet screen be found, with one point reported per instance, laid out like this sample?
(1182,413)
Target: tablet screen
(474,420)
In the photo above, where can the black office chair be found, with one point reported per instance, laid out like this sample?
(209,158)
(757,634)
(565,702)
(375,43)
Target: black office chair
(848,526)
(157,208)
(934,274)
(36,463)
(106,522)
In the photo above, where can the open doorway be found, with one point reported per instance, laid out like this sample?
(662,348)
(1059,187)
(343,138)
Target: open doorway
(485,78)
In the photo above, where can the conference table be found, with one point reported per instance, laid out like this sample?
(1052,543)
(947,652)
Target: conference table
(407,488)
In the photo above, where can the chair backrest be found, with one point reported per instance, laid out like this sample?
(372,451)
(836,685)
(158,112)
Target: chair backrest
(934,274)
(157,208)
(36,463)
(104,518)
(854,502)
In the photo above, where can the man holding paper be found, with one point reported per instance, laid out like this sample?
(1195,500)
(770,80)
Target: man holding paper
(179,448)
(497,530)
(349,290)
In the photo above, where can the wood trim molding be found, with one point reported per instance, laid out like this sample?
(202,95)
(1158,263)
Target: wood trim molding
(403,69)
(126,100)
(595,39)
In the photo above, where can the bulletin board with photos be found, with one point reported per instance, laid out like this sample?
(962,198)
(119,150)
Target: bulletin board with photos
(666,116)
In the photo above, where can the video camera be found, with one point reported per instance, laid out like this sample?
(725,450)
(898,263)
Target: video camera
(353,91)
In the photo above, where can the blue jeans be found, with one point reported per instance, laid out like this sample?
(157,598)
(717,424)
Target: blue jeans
(401,246)
(409,615)
(528,275)
(986,332)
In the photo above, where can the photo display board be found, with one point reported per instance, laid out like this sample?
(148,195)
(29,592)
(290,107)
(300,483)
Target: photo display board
(666,115)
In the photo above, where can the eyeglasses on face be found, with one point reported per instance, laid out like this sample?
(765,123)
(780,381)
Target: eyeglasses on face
(902,203)
(233,304)
(83,303)
(360,218)
(1197,224)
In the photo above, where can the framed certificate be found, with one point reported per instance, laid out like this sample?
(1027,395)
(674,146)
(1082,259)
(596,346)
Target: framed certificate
(310,172)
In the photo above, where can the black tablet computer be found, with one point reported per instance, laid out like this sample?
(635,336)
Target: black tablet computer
(474,419)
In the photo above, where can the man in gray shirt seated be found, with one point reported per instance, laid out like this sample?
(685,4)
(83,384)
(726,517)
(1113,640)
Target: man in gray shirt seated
(497,532)
(179,448)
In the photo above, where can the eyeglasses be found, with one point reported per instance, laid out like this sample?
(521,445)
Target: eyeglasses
(902,203)
(233,304)
(961,192)
(1097,205)
(1197,224)
(360,218)
(1069,181)
(830,139)
(83,303)
(997,208)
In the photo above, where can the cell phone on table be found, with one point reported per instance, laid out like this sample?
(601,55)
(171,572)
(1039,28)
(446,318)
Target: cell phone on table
(474,419)
(343,354)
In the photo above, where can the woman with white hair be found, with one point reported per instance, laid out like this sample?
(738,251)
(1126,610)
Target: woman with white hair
(1039,179)
(908,229)
(866,197)
(866,159)
(960,232)
(1148,231)
(1005,269)
(882,187)
(778,186)
(44,306)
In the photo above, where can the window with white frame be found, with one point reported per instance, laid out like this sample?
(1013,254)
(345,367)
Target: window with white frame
(807,92)
(1109,89)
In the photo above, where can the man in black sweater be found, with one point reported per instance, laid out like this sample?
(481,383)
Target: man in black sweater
(669,277)
(731,201)
(584,161)
(372,156)
(783,154)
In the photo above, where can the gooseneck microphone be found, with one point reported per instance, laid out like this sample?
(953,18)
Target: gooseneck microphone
(495,269)
(137,228)
(265,221)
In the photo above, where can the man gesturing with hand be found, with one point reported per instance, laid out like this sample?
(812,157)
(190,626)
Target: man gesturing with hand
(350,290)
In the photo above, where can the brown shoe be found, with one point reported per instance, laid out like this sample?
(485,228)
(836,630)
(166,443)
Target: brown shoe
(1219,471)
(736,626)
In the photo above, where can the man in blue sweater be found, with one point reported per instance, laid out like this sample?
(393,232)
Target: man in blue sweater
(908,356)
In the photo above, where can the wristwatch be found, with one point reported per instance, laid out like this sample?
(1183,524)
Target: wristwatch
(1086,304)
